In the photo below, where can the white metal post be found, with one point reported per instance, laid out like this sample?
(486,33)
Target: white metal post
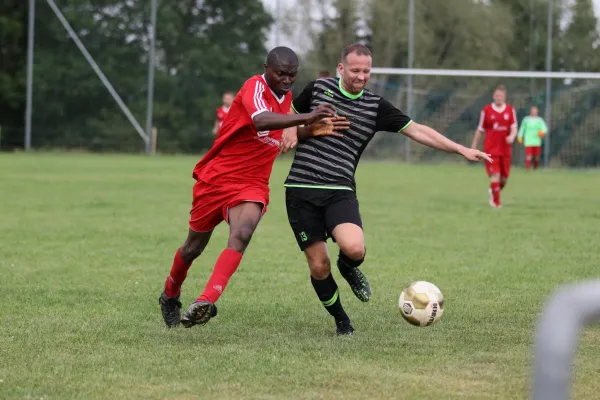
(151,64)
(29,100)
(548,113)
(409,80)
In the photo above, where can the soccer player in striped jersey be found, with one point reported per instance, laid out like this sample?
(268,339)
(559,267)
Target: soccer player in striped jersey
(321,196)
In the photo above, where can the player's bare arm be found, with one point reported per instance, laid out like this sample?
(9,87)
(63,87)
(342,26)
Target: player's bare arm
(476,138)
(267,121)
(431,138)
(513,134)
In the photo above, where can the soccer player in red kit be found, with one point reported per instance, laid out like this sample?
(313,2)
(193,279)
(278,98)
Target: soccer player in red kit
(498,121)
(232,182)
(222,111)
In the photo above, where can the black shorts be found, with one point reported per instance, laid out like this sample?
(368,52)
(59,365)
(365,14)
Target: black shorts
(314,213)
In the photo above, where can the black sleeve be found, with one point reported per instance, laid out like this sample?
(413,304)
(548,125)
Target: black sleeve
(389,118)
(301,104)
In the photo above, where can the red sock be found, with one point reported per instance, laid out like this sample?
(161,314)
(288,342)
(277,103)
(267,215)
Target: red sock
(527,164)
(495,192)
(226,265)
(536,162)
(177,276)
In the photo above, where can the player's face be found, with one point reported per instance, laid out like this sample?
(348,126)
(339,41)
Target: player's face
(534,112)
(227,99)
(280,78)
(499,97)
(355,72)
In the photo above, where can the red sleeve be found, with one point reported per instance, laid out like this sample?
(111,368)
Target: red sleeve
(254,98)
(513,117)
(481,120)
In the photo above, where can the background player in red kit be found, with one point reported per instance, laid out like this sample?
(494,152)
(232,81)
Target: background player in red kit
(222,111)
(232,182)
(498,121)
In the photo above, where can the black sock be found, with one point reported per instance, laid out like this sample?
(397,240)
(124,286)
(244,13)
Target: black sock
(346,262)
(328,293)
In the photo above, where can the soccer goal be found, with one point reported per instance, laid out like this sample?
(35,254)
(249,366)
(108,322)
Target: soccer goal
(451,100)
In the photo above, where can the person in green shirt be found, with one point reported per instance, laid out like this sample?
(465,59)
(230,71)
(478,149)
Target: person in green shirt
(532,130)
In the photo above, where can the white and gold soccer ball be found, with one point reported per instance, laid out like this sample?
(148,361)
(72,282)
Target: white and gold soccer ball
(421,303)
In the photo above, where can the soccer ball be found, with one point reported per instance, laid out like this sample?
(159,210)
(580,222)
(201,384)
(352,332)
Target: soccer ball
(421,303)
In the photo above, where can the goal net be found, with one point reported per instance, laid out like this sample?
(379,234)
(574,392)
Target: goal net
(450,101)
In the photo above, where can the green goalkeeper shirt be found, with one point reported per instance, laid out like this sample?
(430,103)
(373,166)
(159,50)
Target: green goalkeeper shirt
(529,130)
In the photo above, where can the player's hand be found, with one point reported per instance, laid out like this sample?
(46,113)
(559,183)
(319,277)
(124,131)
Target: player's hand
(541,134)
(475,155)
(510,139)
(520,140)
(330,126)
(323,110)
(289,140)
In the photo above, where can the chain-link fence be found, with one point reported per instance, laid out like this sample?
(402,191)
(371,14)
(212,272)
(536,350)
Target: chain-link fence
(206,48)
(452,105)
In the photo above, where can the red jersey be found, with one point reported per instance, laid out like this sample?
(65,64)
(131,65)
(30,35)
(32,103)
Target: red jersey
(496,123)
(241,154)
(221,114)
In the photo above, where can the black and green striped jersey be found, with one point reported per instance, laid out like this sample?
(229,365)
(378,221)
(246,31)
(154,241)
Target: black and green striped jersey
(329,161)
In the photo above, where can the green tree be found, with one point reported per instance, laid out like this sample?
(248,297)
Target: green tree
(203,49)
(13,36)
(580,41)
(71,106)
(206,48)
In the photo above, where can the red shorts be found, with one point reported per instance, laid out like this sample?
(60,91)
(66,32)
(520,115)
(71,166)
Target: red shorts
(500,165)
(211,203)
(533,151)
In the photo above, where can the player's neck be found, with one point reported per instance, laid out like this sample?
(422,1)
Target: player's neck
(347,92)
(499,108)
(277,97)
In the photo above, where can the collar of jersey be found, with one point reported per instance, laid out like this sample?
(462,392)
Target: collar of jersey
(279,99)
(499,109)
(349,95)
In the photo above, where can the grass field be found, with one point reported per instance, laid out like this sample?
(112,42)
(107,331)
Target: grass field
(86,242)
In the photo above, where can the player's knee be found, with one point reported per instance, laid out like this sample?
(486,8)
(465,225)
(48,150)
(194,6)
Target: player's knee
(190,251)
(354,251)
(240,237)
(320,268)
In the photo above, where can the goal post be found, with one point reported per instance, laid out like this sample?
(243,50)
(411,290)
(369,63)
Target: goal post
(145,134)
(450,100)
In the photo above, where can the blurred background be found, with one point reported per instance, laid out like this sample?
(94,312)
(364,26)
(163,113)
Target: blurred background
(206,47)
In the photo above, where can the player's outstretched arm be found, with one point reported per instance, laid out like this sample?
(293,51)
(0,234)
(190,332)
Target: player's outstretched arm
(430,137)
(268,121)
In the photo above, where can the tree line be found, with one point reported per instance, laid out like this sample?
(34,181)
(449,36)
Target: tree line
(205,48)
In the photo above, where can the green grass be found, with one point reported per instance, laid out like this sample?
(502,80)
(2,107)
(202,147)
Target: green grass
(86,242)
